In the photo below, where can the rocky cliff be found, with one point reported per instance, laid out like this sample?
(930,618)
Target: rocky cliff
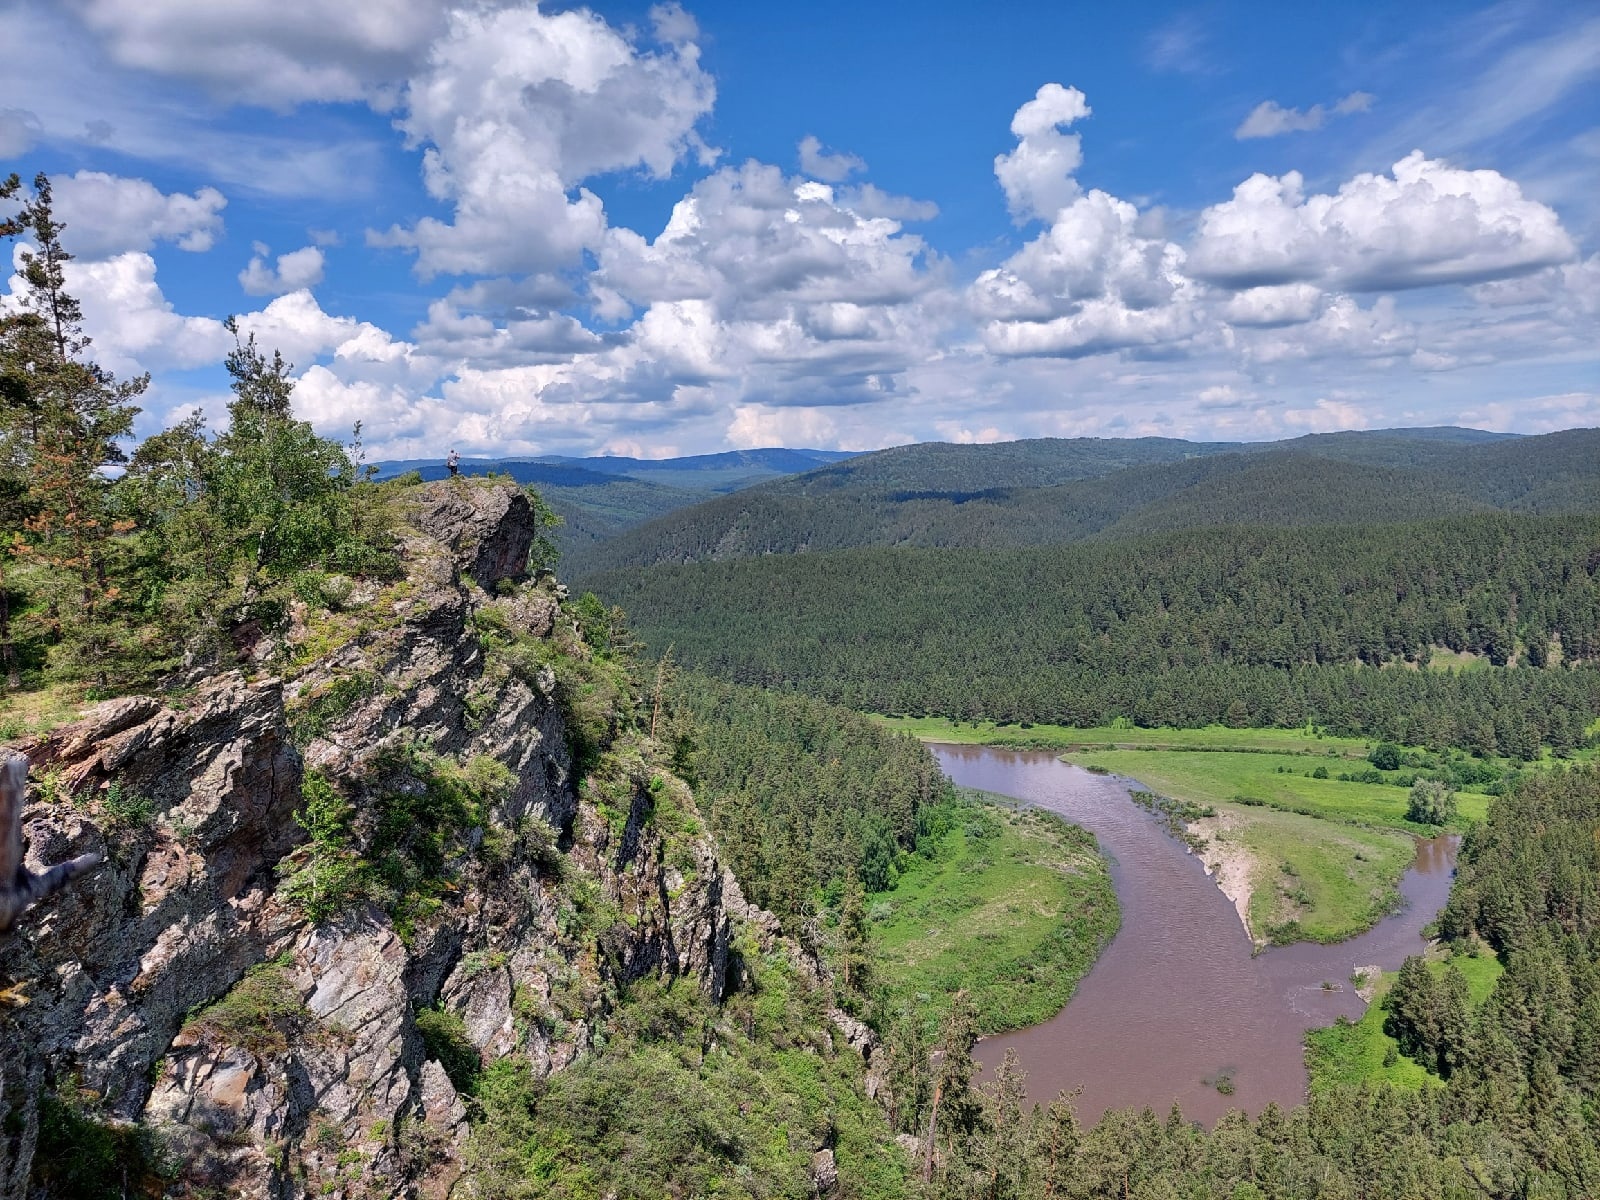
(334,866)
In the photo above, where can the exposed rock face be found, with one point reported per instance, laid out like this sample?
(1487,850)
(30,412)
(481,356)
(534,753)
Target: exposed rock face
(194,805)
(488,530)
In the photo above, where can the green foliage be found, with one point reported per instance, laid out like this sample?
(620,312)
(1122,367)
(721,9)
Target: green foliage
(1385,757)
(592,657)
(1278,781)
(323,877)
(1168,630)
(317,712)
(444,1038)
(1431,802)
(123,809)
(61,418)
(688,1099)
(199,545)
(419,819)
(1429,1016)
(544,552)
(262,1013)
(801,794)
(416,826)
(1013,907)
(83,1156)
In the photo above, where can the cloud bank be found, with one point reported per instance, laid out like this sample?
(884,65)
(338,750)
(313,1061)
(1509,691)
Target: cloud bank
(773,306)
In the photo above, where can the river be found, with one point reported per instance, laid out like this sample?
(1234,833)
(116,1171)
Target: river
(1177,999)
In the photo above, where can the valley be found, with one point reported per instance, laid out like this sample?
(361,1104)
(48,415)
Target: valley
(707,601)
(838,842)
(1180,1000)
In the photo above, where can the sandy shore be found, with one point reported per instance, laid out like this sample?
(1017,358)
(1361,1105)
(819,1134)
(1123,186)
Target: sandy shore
(1229,863)
(1370,976)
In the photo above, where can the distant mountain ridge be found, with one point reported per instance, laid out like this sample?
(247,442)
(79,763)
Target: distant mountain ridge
(601,496)
(1054,491)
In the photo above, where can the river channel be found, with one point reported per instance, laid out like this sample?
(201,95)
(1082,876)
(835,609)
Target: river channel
(1177,999)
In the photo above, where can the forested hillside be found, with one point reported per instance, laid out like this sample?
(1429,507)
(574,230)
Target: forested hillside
(805,795)
(1050,493)
(1261,626)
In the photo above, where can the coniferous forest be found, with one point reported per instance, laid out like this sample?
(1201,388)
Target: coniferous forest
(1341,627)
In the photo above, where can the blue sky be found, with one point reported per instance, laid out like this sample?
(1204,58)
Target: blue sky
(657,230)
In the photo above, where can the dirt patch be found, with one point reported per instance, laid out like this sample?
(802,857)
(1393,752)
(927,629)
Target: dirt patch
(1370,978)
(1227,861)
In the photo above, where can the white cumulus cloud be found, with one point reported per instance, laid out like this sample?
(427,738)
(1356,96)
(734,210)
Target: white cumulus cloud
(1038,175)
(1100,278)
(1426,223)
(1286,304)
(516,107)
(302,268)
(106,215)
(134,326)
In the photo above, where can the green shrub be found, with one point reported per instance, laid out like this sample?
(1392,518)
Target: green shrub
(1385,757)
(320,711)
(80,1156)
(123,809)
(323,876)
(1431,802)
(261,1014)
(444,1036)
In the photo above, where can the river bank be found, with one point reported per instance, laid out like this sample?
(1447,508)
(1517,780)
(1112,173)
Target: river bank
(1180,1007)
(1011,904)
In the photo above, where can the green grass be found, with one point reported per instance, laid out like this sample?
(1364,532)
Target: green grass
(1444,659)
(1014,907)
(1214,737)
(36,712)
(1279,781)
(1318,881)
(1355,1051)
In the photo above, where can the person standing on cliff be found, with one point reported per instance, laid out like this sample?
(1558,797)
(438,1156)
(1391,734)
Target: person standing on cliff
(453,461)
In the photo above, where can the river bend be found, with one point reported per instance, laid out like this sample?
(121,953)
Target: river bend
(1177,999)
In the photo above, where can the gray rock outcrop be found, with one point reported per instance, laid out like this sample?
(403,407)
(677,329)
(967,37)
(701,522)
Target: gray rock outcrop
(182,985)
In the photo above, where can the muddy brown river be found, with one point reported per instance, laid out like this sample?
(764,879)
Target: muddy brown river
(1177,999)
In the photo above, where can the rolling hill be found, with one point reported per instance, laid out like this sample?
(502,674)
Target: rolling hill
(1051,492)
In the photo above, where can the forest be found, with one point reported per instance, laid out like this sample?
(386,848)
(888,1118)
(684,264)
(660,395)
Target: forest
(1337,626)
(1511,1113)
(1049,492)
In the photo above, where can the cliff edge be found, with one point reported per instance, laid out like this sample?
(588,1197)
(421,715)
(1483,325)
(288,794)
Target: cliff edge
(411,832)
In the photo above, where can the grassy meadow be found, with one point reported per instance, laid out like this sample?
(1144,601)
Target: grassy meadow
(1281,781)
(1014,906)
(1311,880)
(1066,737)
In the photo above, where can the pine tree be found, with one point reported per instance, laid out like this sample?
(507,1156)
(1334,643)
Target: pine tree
(65,416)
(1005,1140)
(957,1108)
(1055,1148)
(855,946)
